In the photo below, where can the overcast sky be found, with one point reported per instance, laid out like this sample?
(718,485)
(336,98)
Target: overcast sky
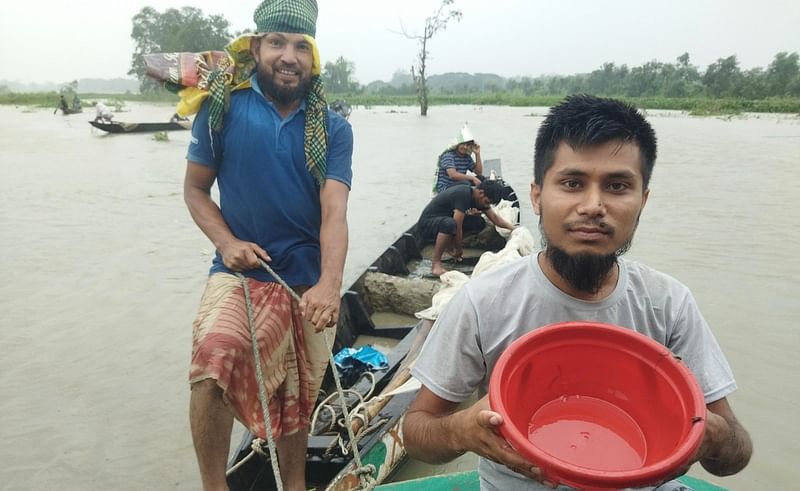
(56,40)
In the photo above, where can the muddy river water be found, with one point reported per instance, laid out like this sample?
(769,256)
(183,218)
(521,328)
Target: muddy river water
(104,269)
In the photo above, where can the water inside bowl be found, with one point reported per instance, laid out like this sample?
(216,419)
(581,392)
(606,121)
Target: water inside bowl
(588,432)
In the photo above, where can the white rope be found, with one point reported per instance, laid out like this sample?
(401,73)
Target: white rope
(262,391)
(323,405)
(364,473)
(256,447)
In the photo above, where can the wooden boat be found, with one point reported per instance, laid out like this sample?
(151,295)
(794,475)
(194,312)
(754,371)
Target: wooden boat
(377,309)
(120,127)
(468,481)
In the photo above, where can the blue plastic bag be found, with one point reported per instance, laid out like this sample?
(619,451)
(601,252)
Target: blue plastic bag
(367,355)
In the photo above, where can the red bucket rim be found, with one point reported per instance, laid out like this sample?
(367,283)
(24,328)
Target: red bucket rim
(576,474)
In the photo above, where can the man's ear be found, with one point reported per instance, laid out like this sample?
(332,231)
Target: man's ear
(255,44)
(536,196)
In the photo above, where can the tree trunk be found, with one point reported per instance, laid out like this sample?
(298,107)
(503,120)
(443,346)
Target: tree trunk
(423,83)
(423,99)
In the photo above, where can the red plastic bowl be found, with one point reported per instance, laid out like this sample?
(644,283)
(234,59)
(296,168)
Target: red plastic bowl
(597,406)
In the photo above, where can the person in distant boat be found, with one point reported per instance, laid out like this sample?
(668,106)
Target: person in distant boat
(283,202)
(592,165)
(458,211)
(62,105)
(103,113)
(76,104)
(455,164)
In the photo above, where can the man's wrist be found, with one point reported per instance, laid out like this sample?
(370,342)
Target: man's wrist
(450,425)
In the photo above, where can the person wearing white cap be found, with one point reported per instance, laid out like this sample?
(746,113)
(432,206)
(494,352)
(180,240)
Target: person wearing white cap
(456,160)
(104,114)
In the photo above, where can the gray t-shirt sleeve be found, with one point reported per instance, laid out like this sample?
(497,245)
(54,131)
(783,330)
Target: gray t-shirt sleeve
(692,340)
(451,364)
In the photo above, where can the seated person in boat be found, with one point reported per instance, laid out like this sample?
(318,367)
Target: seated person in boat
(103,113)
(455,162)
(592,165)
(282,206)
(456,211)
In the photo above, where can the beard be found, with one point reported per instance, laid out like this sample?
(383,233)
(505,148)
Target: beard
(583,271)
(283,95)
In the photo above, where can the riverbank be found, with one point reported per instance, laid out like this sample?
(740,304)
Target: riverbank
(695,106)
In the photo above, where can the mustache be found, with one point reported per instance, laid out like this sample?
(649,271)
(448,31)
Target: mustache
(593,223)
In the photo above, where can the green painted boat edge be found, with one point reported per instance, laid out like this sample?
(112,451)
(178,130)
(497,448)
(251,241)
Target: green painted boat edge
(460,481)
(699,485)
(468,481)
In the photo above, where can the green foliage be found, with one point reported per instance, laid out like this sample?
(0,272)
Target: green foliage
(338,76)
(722,89)
(693,105)
(175,30)
(722,80)
(116,103)
(698,105)
(37,99)
(160,136)
(782,78)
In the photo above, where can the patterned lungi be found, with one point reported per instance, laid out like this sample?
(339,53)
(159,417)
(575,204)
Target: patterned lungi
(293,356)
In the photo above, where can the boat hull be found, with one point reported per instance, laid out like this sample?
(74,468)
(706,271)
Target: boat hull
(399,282)
(120,127)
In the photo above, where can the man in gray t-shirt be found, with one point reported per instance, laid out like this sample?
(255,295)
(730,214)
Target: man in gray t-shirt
(592,165)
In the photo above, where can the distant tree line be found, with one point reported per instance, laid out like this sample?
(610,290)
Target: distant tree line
(721,79)
(188,29)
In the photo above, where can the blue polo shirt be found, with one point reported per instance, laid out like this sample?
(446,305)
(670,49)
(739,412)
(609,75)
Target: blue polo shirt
(267,195)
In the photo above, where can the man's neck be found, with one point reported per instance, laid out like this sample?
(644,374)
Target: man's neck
(606,288)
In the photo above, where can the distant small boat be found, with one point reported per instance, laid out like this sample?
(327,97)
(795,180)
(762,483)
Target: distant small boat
(120,127)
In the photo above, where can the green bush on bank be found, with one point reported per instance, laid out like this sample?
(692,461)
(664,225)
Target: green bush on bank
(50,99)
(694,105)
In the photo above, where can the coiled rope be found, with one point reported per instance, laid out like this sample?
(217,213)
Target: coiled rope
(364,473)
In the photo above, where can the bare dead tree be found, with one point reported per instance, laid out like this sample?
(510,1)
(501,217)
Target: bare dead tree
(433,24)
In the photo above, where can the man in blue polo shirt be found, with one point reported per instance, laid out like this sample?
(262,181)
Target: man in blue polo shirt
(283,166)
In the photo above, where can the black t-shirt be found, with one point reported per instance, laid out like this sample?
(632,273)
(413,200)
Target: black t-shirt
(458,197)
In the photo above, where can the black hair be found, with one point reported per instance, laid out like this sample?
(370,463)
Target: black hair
(492,190)
(584,120)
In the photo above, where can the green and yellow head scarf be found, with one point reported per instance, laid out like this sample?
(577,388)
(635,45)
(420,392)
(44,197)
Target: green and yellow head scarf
(214,75)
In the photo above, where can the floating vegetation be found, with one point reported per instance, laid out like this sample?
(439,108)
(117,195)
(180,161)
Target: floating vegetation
(160,136)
